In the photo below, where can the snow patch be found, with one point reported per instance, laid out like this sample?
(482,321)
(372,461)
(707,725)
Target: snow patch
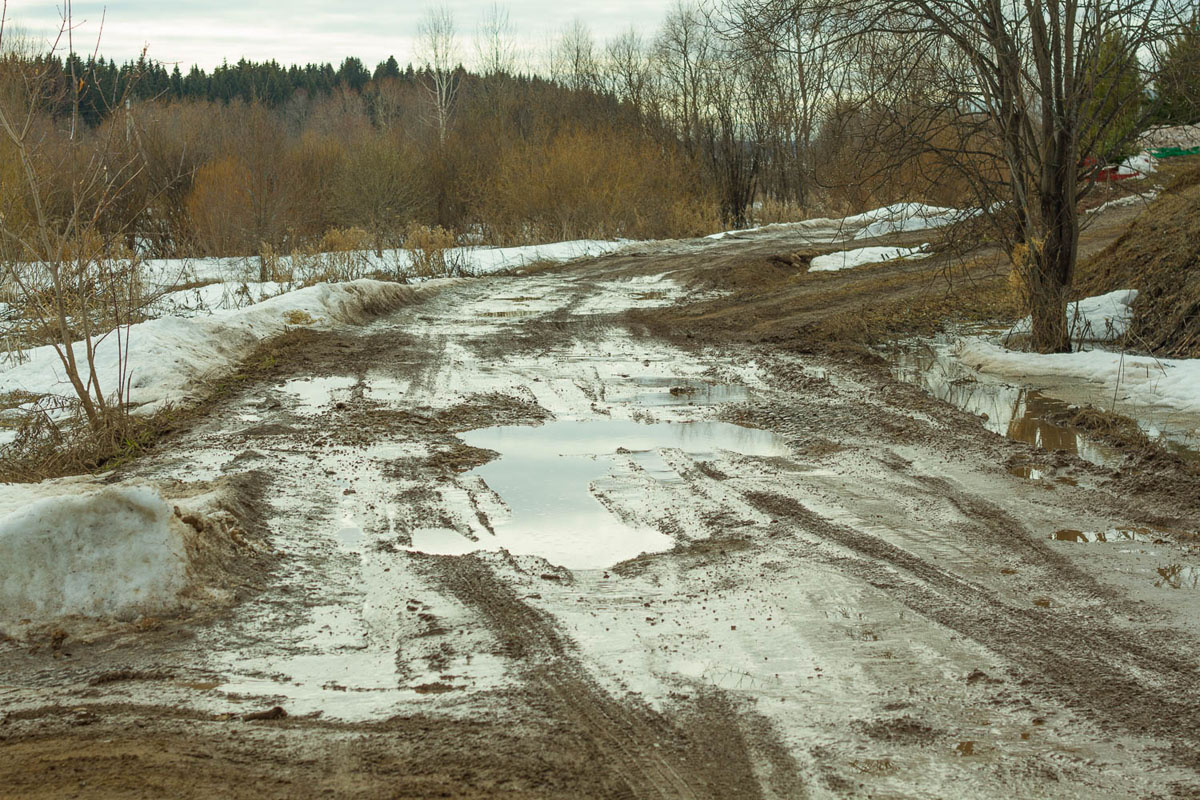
(1103,318)
(1139,380)
(905,217)
(848,259)
(1138,166)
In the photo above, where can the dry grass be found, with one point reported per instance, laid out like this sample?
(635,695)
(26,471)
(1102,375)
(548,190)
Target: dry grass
(54,441)
(1160,257)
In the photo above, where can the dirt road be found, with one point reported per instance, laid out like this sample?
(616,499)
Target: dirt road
(525,548)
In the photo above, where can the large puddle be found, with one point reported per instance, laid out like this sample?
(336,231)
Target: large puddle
(546,476)
(1018,412)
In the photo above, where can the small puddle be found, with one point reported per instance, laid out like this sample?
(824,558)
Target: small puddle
(312,395)
(1177,576)
(503,314)
(545,476)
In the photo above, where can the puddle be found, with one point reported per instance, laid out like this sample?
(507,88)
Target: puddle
(1017,412)
(312,395)
(545,476)
(1177,576)
(1111,535)
(513,313)
(677,392)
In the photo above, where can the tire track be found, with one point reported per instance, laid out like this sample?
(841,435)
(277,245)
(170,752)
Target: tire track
(1109,673)
(646,754)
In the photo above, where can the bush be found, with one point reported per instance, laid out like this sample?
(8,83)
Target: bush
(433,252)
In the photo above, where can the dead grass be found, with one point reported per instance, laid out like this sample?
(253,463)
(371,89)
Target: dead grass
(774,298)
(49,445)
(1159,255)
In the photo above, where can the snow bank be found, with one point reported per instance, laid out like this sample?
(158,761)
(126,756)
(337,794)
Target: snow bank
(848,259)
(1140,380)
(1103,318)
(475,261)
(485,261)
(879,222)
(905,217)
(1183,136)
(170,356)
(113,552)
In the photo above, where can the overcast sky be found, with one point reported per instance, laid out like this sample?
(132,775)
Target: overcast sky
(205,32)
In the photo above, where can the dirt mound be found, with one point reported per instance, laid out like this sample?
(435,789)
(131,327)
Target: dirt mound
(1160,257)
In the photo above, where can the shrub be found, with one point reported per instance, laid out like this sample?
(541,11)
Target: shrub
(433,252)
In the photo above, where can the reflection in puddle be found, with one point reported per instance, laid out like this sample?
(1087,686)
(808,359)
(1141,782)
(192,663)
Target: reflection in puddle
(545,476)
(503,314)
(1177,576)
(1013,411)
(677,392)
(312,395)
(1111,535)
(1020,412)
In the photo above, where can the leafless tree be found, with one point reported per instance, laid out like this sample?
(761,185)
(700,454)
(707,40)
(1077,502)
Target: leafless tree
(495,51)
(1016,97)
(573,62)
(74,277)
(439,52)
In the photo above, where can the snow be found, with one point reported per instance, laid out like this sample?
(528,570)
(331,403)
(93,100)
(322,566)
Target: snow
(213,297)
(848,259)
(1139,380)
(878,222)
(1138,166)
(905,217)
(1121,202)
(111,552)
(1103,318)
(474,260)
(171,355)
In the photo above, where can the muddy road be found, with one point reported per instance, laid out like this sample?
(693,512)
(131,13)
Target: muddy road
(524,546)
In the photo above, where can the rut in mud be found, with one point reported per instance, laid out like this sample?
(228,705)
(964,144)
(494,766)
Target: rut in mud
(836,585)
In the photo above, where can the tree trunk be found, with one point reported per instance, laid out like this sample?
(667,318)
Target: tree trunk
(1048,310)
(1052,269)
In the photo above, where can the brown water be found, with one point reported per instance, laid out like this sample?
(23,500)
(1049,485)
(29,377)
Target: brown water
(1017,412)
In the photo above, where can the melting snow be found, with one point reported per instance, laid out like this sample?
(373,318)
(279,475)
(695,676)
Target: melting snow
(110,552)
(848,259)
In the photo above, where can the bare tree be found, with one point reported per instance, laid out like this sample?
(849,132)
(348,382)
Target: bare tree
(495,52)
(1015,96)
(628,72)
(63,244)
(439,53)
(573,62)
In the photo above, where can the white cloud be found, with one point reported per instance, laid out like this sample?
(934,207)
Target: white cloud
(302,31)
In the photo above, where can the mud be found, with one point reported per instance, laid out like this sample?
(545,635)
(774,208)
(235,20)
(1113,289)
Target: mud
(853,596)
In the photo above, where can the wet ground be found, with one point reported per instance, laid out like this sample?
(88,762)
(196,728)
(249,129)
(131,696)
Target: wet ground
(525,550)
(1037,414)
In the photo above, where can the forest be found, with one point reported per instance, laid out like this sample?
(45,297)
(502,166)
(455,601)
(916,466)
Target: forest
(714,121)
